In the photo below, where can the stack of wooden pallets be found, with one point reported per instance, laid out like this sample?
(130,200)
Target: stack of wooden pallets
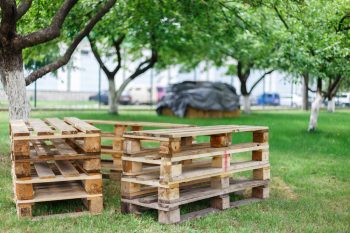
(179,171)
(53,160)
(112,142)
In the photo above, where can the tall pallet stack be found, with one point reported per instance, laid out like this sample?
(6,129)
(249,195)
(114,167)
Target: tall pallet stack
(54,160)
(184,172)
(112,142)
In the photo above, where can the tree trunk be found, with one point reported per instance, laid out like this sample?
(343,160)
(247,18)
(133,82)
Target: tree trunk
(315,107)
(246,104)
(305,104)
(112,96)
(121,89)
(12,78)
(331,105)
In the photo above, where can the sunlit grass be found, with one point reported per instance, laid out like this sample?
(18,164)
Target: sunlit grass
(310,189)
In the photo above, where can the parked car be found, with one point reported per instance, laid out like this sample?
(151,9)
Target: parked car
(141,94)
(124,99)
(342,99)
(269,99)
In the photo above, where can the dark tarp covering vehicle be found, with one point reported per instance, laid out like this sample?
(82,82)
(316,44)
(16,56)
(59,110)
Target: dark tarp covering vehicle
(199,95)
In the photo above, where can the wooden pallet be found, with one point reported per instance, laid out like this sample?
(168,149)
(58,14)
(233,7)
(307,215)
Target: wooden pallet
(112,148)
(53,160)
(180,172)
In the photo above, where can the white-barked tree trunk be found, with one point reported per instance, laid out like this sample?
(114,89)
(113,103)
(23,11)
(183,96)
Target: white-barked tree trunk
(315,108)
(246,104)
(12,78)
(331,105)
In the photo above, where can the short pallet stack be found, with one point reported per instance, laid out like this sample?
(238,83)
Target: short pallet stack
(54,160)
(184,172)
(112,148)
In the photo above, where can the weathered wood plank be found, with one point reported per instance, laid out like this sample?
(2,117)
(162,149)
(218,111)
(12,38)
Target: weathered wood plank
(43,170)
(18,128)
(40,127)
(61,126)
(82,125)
(66,168)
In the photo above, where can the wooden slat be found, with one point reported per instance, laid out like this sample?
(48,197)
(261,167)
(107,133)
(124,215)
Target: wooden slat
(196,153)
(58,178)
(19,128)
(61,126)
(58,191)
(42,149)
(62,147)
(82,125)
(197,194)
(43,170)
(40,127)
(56,135)
(35,158)
(202,173)
(196,131)
(135,123)
(66,168)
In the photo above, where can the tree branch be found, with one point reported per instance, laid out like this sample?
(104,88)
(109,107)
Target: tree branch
(47,34)
(309,89)
(117,44)
(22,8)
(333,87)
(97,55)
(139,70)
(281,18)
(63,60)
(145,65)
(341,24)
(259,80)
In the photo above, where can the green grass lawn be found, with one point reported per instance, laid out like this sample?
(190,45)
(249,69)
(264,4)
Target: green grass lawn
(310,190)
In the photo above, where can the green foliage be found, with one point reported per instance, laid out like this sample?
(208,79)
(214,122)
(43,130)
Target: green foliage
(40,15)
(311,41)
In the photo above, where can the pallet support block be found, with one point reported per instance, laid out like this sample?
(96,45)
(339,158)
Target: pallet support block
(220,202)
(260,155)
(169,217)
(219,182)
(22,169)
(168,195)
(132,146)
(24,191)
(220,140)
(132,167)
(24,210)
(94,204)
(92,144)
(93,186)
(130,190)
(171,147)
(262,192)
(20,149)
(260,136)
(262,173)
(168,170)
(127,208)
(92,165)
